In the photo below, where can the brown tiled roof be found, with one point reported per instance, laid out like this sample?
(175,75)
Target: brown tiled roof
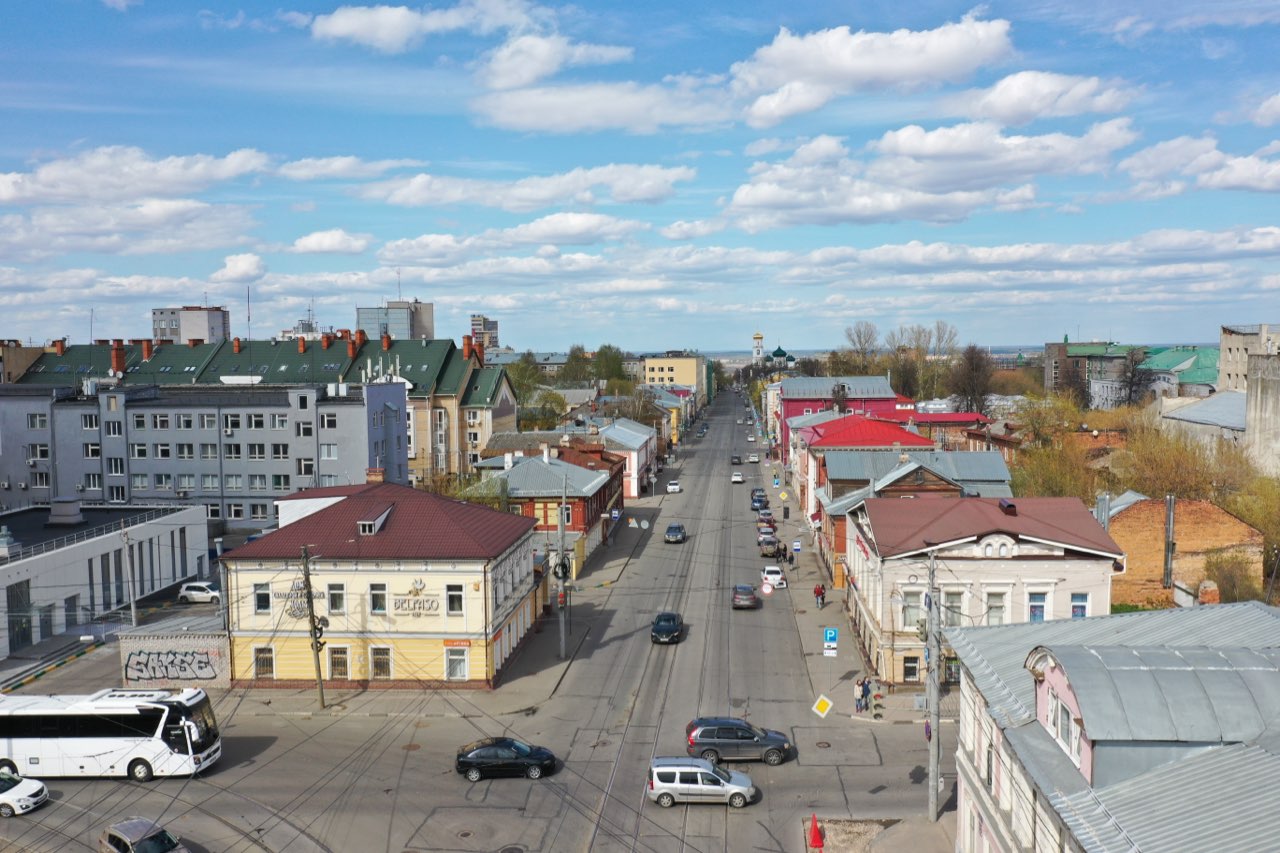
(910,526)
(421,526)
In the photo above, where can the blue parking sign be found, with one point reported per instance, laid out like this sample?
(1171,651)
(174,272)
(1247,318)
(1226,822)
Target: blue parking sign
(830,635)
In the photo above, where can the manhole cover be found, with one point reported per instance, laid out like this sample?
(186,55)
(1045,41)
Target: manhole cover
(466,833)
(411,747)
(822,744)
(511,848)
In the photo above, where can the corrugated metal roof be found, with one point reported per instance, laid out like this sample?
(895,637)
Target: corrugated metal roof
(910,527)
(857,431)
(1183,694)
(800,421)
(532,476)
(820,387)
(1123,502)
(968,467)
(1223,409)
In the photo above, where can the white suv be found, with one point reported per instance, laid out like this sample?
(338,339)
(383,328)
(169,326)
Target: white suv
(199,592)
(773,575)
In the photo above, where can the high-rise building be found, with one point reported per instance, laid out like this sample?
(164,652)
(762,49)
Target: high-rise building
(402,319)
(484,331)
(191,323)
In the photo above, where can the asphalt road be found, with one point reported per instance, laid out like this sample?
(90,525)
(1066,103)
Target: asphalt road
(382,780)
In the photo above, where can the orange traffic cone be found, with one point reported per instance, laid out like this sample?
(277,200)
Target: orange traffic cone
(815,834)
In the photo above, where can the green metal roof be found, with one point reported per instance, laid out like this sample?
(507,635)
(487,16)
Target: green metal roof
(422,362)
(482,387)
(278,362)
(1085,350)
(78,362)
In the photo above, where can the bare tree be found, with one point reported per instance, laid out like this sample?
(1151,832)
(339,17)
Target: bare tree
(942,352)
(864,341)
(971,379)
(1135,380)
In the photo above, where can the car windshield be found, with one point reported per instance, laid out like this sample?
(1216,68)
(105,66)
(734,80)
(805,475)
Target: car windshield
(522,749)
(8,781)
(160,841)
(742,589)
(720,772)
(666,620)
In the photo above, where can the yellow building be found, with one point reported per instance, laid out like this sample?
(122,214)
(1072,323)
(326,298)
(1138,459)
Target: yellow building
(408,588)
(685,369)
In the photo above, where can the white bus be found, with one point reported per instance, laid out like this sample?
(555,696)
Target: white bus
(121,732)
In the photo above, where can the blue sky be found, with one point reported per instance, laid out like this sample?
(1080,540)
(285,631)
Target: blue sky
(652,175)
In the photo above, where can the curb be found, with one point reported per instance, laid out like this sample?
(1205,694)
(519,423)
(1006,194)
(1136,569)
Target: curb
(23,681)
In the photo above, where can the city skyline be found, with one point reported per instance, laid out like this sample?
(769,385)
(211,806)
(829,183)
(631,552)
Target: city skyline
(654,177)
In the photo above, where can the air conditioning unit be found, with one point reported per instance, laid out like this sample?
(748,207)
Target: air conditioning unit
(80,487)
(22,486)
(182,494)
(31,463)
(228,431)
(4,484)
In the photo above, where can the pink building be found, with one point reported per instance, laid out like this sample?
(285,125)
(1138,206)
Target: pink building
(863,395)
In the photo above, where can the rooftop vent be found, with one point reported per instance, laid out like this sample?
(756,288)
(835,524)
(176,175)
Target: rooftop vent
(1008,507)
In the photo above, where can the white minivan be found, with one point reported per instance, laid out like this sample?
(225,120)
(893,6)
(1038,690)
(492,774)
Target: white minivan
(696,780)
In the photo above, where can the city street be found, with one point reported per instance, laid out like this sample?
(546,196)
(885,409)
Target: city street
(375,772)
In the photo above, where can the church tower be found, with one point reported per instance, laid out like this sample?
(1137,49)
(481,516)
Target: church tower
(757,349)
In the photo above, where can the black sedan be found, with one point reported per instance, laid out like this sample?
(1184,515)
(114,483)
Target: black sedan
(503,756)
(666,628)
(675,533)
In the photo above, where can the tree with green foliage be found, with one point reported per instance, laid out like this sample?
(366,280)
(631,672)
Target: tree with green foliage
(1054,471)
(525,378)
(577,368)
(1232,571)
(1045,420)
(608,363)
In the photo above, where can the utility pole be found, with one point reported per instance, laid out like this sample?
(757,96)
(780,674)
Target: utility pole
(128,552)
(562,565)
(315,627)
(934,668)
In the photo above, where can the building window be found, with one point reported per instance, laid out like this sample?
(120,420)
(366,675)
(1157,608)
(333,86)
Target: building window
(279,451)
(279,421)
(453,597)
(328,479)
(213,510)
(164,482)
(337,598)
(208,421)
(230,422)
(115,428)
(138,451)
(139,421)
(89,421)
(115,494)
(328,452)
(329,420)
(262,598)
(92,450)
(952,609)
(230,451)
(235,511)
(93,481)
(1079,605)
(209,483)
(338,663)
(186,451)
(911,669)
(912,610)
(455,664)
(39,479)
(378,598)
(995,609)
(258,421)
(186,482)
(257,482)
(306,467)
(379,662)
(1035,606)
(264,663)
(258,512)
(232,483)
(138,482)
(161,451)
(208,451)
(257,451)
(115,466)
(40,451)
(159,421)
(186,421)
(303,429)
(280,482)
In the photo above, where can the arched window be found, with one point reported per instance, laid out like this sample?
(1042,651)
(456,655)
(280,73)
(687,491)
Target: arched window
(987,550)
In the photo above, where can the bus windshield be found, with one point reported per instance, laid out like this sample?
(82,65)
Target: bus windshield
(200,713)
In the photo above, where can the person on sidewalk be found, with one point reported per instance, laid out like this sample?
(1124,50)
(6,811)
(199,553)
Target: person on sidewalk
(857,696)
(866,694)
(819,594)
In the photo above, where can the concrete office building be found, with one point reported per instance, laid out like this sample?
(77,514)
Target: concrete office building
(402,319)
(484,331)
(191,323)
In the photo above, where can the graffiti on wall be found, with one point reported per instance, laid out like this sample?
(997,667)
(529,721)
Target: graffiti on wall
(176,666)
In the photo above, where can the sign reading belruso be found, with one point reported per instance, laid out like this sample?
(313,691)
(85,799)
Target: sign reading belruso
(417,601)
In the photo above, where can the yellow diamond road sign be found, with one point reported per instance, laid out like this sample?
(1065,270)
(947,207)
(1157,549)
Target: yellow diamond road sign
(822,706)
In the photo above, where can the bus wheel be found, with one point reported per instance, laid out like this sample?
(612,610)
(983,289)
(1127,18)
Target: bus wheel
(7,766)
(140,771)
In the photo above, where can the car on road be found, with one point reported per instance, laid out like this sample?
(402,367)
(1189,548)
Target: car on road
(759,502)
(729,738)
(694,780)
(744,597)
(765,515)
(771,547)
(139,835)
(739,420)
(19,795)
(735,459)
(751,437)
(753,457)
(673,487)
(774,576)
(667,627)
(199,592)
(764,531)
(736,477)
(503,756)
(675,533)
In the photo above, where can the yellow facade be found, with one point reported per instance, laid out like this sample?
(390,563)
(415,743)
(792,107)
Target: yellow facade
(688,370)
(396,622)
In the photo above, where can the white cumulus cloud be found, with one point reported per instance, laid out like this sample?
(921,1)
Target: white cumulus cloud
(591,107)
(526,59)
(1268,112)
(1029,95)
(395,29)
(318,168)
(335,241)
(239,269)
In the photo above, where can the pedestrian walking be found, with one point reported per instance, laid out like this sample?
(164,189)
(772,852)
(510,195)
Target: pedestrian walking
(866,694)
(819,594)
(857,696)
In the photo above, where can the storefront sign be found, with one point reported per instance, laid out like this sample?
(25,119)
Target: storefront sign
(295,599)
(417,601)
(457,644)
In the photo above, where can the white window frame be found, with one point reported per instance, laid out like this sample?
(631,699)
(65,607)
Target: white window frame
(455,653)
(341,590)
(375,588)
(462,599)
(259,589)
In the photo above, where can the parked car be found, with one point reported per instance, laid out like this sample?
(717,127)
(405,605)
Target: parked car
(19,795)
(675,533)
(721,738)
(771,547)
(139,835)
(503,756)
(744,597)
(694,780)
(667,628)
(751,437)
(736,477)
(764,532)
(739,420)
(773,575)
(200,592)
(673,487)
(759,502)
(753,457)
(765,514)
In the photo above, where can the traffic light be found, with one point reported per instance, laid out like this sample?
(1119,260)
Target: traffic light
(317,631)
(922,630)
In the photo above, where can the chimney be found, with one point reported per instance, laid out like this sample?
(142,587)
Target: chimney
(191,342)
(546,452)
(325,340)
(60,346)
(102,342)
(386,342)
(466,347)
(361,337)
(147,350)
(351,348)
(117,357)
(235,345)
(375,475)
(302,344)
(1208,593)
(344,334)
(478,349)
(508,459)
(1008,507)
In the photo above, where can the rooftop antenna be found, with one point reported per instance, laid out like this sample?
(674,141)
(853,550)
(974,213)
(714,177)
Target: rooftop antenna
(399,295)
(248,314)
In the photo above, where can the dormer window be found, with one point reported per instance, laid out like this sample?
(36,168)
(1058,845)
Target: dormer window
(368,528)
(374,521)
